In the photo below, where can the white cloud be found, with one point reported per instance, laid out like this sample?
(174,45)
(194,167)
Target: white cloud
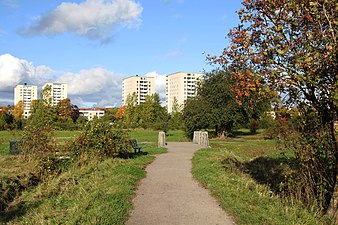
(160,81)
(90,81)
(94,19)
(14,71)
(96,86)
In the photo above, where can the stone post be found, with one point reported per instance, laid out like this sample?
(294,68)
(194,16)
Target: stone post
(161,139)
(205,139)
(196,137)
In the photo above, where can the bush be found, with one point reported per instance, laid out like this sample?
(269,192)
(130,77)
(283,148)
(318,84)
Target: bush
(101,139)
(37,141)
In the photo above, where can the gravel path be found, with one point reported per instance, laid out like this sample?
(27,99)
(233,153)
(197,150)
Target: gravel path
(169,194)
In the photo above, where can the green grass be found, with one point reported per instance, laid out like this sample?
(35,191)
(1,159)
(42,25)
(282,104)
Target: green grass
(142,135)
(5,137)
(94,192)
(247,199)
(98,192)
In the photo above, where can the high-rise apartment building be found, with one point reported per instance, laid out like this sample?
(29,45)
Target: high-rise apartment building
(181,85)
(142,86)
(58,92)
(26,94)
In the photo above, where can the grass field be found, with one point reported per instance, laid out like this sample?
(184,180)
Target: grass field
(97,193)
(246,194)
(100,192)
(94,192)
(63,136)
(152,135)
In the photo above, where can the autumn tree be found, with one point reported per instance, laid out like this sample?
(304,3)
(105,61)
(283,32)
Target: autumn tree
(66,111)
(290,46)
(215,106)
(18,110)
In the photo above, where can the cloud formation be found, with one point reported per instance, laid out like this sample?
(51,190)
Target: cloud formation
(94,19)
(97,86)
(90,81)
(14,71)
(160,81)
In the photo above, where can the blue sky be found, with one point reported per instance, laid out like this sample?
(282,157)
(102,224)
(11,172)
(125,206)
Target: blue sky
(93,44)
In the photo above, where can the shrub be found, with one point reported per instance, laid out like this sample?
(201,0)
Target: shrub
(37,141)
(101,139)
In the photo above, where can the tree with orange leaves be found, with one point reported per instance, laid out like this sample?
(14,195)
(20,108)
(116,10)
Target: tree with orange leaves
(290,47)
(18,110)
(120,111)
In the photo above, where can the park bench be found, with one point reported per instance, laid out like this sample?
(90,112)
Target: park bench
(135,146)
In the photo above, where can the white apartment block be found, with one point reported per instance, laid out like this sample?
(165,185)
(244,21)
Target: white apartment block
(181,85)
(59,92)
(142,86)
(91,113)
(25,93)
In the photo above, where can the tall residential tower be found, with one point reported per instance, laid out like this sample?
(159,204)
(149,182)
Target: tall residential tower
(142,86)
(181,86)
(58,92)
(26,94)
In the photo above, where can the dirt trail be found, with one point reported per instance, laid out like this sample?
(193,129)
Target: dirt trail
(169,194)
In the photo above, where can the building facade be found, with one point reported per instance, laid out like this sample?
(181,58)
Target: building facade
(91,113)
(181,86)
(59,91)
(142,86)
(26,94)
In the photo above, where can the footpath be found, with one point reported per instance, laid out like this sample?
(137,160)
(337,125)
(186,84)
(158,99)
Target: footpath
(170,195)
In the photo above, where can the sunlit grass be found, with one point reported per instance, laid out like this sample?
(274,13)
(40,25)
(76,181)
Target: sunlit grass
(248,201)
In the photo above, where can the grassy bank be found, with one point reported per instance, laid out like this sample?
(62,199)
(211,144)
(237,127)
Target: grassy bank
(246,193)
(98,192)
(89,191)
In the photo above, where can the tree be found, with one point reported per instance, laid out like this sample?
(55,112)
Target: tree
(18,110)
(215,106)
(131,112)
(37,136)
(176,121)
(160,114)
(65,110)
(147,112)
(291,46)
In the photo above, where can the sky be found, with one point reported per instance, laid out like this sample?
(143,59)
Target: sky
(93,44)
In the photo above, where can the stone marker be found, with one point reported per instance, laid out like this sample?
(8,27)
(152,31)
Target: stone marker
(161,139)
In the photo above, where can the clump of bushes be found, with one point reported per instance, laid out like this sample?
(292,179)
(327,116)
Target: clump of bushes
(101,139)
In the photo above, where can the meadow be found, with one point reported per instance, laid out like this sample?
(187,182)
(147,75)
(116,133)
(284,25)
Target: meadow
(240,172)
(245,173)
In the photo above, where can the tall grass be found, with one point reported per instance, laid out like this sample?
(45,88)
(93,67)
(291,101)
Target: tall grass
(96,192)
(235,171)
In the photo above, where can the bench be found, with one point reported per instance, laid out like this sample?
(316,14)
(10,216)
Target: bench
(134,145)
